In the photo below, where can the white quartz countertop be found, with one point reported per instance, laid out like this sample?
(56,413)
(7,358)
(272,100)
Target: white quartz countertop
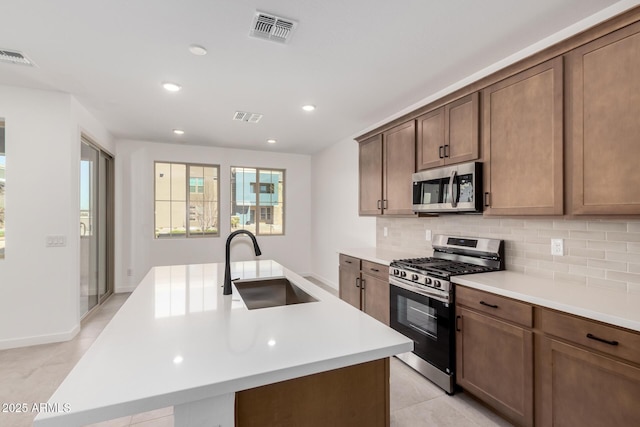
(380,256)
(177,339)
(605,305)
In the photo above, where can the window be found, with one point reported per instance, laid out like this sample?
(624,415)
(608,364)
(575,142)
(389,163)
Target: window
(264,188)
(186,200)
(257,200)
(196,185)
(2,185)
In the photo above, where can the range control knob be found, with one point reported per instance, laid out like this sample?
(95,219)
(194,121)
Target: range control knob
(403,274)
(437,283)
(427,281)
(414,277)
(396,272)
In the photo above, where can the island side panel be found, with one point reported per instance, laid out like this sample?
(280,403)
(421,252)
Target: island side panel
(354,395)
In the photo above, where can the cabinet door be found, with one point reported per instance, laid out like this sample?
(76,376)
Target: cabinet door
(430,140)
(582,388)
(462,130)
(605,110)
(349,281)
(375,297)
(523,142)
(370,175)
(399,160)
(494,361)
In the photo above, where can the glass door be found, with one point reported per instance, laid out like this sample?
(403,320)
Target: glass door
(96,226)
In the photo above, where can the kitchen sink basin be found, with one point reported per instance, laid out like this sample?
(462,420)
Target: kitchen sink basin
(275,292)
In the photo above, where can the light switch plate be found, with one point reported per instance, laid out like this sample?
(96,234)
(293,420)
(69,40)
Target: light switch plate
(385,231)
(557,247)
(55,241)
(427,235)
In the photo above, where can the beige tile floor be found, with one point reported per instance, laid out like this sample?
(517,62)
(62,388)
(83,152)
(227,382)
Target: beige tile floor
(31,375)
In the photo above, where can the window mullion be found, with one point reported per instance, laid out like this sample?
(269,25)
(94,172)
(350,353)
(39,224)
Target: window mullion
(188,201)
(257,201)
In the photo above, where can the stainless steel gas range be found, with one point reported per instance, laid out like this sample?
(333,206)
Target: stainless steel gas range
(423,302)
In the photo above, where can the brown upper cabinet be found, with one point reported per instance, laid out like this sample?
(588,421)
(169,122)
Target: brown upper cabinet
(523,137)
(449,134)
(387,162)
(604,108)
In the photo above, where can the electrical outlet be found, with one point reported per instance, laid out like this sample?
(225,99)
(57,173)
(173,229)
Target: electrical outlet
(427,235)
(557,247)
(129,272)
(55,241)
(385,231)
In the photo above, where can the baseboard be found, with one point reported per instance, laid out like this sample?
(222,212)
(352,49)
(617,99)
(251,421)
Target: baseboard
(40,339)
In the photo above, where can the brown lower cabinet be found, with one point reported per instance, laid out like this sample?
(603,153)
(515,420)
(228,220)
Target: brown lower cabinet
(537,366)
(353,396)
(365,285)
(494,356)
(587,373)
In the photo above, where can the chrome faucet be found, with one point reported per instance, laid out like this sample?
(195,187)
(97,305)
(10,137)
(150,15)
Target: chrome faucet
(227,262)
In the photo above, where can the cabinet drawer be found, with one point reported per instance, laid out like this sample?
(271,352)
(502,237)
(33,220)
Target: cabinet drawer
(594,335)
(374,269)
(495,305)
(347,261)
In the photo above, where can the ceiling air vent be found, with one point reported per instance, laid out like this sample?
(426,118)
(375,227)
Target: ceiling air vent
(270,27)
(243,116)
(14,57)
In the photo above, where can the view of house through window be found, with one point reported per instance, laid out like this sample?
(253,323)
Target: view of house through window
(186,200)
(2,185)
(257,200)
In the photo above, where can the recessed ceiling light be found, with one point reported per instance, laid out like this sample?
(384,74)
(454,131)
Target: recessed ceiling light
(178,131)
(197,50)
(271,141)
(308,107)
(171,87)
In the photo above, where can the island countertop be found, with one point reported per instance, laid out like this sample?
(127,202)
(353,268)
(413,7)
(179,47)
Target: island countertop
(177,340)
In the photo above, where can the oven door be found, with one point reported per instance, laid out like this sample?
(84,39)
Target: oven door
(427,320)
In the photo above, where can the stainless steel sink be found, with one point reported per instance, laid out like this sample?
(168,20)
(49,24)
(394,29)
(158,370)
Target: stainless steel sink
(262,293)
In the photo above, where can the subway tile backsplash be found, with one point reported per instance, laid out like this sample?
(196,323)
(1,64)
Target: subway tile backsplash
(597,253)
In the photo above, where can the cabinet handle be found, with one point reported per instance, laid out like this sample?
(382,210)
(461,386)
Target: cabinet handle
(458,329)
(375,269)
(488,305)
(486,199)
(446,151)
(362,282)
(440,148)
(379,204)
(357,282)
(385,204)
(593,337)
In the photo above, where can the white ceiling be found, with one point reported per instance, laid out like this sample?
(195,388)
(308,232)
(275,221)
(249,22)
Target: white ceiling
(359,61)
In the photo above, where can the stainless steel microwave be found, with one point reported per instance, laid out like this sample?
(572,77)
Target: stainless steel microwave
(456,188)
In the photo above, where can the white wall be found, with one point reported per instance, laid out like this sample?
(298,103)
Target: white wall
(138,251)
(335,222)
(39,286)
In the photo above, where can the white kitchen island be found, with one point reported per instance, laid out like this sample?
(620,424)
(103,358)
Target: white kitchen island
(177,341)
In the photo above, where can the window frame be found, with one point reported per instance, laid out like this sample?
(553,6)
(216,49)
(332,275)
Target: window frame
(256,185)
(4,189)
(187,234)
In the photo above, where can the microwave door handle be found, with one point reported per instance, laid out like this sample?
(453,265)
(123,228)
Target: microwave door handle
(452,180)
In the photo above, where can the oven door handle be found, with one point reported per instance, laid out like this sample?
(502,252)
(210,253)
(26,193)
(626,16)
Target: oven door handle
(443,297)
